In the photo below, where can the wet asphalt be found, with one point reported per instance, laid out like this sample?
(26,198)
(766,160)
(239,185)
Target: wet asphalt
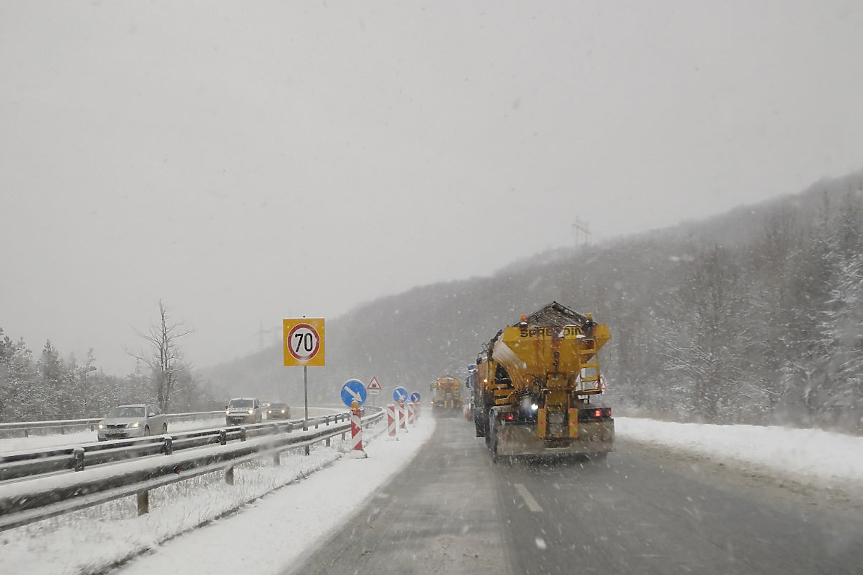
(641,511)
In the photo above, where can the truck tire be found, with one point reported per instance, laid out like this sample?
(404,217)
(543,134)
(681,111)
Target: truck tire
(492,442)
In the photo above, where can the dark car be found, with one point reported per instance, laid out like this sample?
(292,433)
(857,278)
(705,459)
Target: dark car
(278,411)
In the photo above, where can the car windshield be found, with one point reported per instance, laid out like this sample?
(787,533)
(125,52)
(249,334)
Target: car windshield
(126,411)
(635,227)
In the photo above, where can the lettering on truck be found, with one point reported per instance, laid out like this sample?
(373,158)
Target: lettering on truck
(569,331)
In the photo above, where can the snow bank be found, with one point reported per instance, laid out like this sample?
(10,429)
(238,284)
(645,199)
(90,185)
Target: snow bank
(285,525)
(13,444)
(806,455)
(270,532)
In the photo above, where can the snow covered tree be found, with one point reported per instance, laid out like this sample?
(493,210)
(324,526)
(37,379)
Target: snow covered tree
(704,331)
(163,355)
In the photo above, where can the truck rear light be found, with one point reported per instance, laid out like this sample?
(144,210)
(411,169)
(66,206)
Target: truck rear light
(597,413)
(509,417)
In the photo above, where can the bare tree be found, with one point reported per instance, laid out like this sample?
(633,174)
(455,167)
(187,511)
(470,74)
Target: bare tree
(163,355)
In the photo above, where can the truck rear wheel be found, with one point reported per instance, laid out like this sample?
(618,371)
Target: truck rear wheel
(477,423)
(491,439)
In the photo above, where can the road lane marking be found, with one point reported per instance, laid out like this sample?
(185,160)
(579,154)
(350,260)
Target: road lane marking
(528,498)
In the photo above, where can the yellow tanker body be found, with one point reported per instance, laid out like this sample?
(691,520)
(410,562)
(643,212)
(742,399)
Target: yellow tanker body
(446,393)
(533,384)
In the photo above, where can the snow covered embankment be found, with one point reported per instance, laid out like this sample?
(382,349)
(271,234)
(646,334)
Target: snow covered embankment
(803,455)
(274,530)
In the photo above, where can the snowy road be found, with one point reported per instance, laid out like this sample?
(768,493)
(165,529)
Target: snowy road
(647,510)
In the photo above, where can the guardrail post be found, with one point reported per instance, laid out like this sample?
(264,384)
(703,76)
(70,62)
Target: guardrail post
(242,434)
(327,443)
(26,433)
(62,430)
(169,445)
(143,502)
(223,437)
(229,476)
(78,458)
(277,458)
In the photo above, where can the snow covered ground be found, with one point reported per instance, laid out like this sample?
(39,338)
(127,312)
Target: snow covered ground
(206,526)
(13,444)
(804,455)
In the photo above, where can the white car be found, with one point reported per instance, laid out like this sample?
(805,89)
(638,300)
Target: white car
(138,420)
(243,410)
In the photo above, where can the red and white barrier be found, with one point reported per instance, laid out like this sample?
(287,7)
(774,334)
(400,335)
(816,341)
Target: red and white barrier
(356,427)
(402,416)
(392,421)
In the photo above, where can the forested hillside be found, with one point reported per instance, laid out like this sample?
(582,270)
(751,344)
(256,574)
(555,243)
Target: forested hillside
(752,316)
(48,386)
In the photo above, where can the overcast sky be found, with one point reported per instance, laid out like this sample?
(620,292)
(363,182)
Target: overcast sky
(247,161)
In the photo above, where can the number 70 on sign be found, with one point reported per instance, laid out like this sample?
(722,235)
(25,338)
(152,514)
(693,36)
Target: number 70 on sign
(303,341)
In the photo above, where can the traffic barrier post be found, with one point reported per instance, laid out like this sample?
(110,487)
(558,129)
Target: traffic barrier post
(356,427)
(402,416)
(392,427)
(411,413)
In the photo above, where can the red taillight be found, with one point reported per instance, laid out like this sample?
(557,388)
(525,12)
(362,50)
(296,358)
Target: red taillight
(597,413)
(509,417)
(608,412)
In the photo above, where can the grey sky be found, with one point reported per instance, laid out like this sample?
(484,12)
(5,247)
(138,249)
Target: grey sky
(251,160)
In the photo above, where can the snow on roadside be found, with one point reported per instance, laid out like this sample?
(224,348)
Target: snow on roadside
(13,444)
(90,540)
(804,455)
(279,529)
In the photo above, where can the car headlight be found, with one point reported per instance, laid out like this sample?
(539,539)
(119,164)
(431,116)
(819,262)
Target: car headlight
(101,426)
(251,411)
(283,411)
(227,412)
(136,424)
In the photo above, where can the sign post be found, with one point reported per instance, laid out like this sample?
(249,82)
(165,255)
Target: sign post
(374,388)
(303,345)
(354,395)
(400,395)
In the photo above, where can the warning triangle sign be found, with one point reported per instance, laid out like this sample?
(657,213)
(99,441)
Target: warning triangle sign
(374,384)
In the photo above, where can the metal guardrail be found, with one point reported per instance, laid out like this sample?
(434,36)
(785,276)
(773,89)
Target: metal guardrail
(54,459)
(66,424)
(49,496)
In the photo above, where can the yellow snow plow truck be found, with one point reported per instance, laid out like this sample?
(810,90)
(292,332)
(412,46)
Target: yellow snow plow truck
(446,394)
(536,384)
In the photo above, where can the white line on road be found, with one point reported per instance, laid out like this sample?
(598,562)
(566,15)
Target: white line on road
(528,498)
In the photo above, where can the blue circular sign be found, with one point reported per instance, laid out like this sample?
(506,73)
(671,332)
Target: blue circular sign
(354,390)
(416,397)
(400,394)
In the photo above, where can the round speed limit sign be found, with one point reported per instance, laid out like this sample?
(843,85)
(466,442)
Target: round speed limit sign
(303,342)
